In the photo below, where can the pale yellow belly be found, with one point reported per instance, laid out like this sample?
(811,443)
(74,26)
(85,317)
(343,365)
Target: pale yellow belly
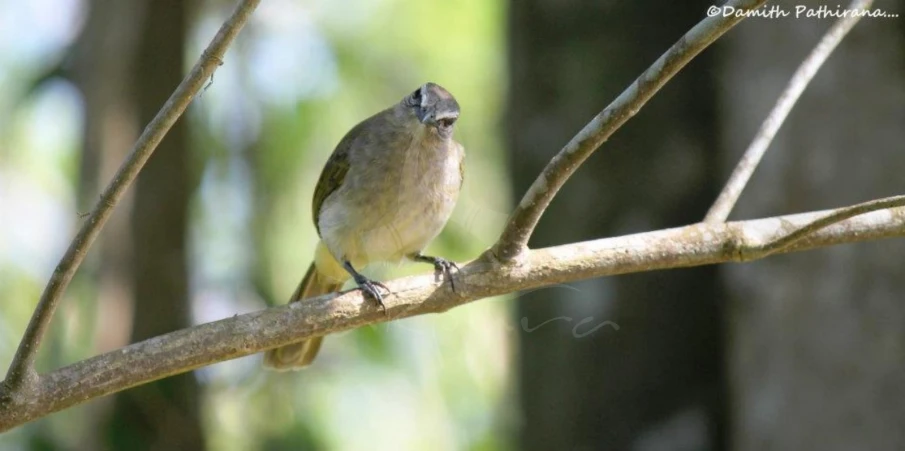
(398,217)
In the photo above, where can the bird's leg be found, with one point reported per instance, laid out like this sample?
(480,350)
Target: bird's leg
(441,265)
(367,286)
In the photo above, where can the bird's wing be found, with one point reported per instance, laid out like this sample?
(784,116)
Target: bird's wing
(334,173)
(337,166)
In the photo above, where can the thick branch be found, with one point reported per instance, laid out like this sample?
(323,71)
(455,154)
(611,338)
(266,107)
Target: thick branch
(800,80)
(528,212)
(242,335)
(21,375)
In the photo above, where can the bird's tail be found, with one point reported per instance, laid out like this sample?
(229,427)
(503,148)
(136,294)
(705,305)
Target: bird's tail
(301,354)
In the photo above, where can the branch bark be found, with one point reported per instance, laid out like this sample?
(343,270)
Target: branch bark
(722,207)
(21,376)
(527,213)
(242,335)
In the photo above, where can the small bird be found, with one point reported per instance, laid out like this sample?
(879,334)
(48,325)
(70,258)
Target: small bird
(387,190)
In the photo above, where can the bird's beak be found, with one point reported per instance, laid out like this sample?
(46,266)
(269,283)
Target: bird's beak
(425,117)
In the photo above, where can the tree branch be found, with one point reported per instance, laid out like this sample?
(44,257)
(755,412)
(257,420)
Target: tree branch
(527,213)
(800,80)
(242,335)
(21,376)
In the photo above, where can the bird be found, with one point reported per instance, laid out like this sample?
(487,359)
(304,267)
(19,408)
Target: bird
(385,192)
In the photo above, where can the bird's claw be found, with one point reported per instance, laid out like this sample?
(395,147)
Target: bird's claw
(369,289)
(445,267)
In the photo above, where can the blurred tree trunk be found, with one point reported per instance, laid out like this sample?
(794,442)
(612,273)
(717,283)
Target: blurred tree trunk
(102,71)
(163,415)
(103,74)
(817,339)
(657,382)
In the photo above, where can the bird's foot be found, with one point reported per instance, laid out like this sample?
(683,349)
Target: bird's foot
(370,290)
(441,265)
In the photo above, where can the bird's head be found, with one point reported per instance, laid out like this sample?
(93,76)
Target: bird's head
(434,107)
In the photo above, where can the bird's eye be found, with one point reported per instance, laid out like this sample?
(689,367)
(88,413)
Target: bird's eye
(414,99)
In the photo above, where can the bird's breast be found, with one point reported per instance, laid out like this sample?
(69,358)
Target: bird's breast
(406,201)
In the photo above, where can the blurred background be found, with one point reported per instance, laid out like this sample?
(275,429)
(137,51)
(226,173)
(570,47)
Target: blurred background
(803,351)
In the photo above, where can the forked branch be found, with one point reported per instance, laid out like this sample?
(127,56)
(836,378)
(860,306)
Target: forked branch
(528,212)
(242,335)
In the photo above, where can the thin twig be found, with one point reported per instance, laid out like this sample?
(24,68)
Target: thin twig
(527,213)
(242,335)
(758,147)
(21,374)
(826,221)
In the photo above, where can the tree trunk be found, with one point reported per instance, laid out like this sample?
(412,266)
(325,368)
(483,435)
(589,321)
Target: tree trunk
(656,382)
(102,71)
(163,415)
